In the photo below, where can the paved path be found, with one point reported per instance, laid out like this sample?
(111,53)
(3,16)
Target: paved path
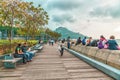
(48,65)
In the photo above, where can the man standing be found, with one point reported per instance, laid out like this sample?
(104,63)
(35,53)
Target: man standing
(68,42)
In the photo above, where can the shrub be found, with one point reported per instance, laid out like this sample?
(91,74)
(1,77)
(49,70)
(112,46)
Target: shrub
(7,52)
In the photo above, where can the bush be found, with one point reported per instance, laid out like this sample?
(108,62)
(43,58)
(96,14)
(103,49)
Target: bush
(7,52)
(5,45)
(45,41)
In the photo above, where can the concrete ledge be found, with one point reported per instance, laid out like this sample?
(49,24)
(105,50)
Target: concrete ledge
(92,52)
(79,48)
(84,50)
(114,59)
(102,55)
(109,57)
(111,71)
(76,48)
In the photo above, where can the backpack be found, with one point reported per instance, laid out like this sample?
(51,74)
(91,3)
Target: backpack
(100,44)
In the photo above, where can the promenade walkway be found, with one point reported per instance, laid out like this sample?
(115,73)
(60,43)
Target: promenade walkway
(48,65)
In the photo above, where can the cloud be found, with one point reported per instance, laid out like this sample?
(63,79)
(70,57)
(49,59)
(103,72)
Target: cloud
(63,18)
(89,17)
(64,4)
(117,29)
(67,12)
(111,10)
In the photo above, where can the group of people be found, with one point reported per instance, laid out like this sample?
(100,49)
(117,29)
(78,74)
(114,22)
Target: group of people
(108,44)
(51,42)
(100,43)
(23,51)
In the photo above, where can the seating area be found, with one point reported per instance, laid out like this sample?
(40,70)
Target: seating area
(10,61)
(36,48)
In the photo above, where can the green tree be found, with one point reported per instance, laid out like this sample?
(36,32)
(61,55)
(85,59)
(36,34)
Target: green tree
(35,21)
(53,34)
(22,14)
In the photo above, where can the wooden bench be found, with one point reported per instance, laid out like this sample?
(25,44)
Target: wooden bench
(10,62)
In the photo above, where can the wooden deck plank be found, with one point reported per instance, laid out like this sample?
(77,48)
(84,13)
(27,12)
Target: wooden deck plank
(48,65)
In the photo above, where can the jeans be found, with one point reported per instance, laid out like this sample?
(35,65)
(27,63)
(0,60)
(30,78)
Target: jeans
(30,55)
(23,56)
(61,51)
(68,45)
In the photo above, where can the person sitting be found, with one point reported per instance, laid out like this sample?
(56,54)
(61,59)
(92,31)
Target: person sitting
(112,44)
(19,53)
(84,41)
(101,43)
(94,43)
(26,50)
(78,41)
(89,41)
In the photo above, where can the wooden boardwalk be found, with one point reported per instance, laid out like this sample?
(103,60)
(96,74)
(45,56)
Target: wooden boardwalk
(48,65)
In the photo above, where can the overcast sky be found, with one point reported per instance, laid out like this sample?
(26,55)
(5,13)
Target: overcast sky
(89,17)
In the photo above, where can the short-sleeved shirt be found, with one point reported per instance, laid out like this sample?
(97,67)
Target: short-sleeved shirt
(17,49)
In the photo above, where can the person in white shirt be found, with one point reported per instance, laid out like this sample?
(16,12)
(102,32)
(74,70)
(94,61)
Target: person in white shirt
(62,49)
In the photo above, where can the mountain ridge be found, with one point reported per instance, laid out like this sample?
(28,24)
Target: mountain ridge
(66,32)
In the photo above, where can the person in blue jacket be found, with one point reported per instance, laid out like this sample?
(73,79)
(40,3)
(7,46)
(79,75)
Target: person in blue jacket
(84,41)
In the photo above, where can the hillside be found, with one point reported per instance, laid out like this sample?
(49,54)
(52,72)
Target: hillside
(65,33)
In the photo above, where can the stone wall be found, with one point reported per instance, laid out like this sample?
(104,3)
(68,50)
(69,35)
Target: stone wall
(109,57)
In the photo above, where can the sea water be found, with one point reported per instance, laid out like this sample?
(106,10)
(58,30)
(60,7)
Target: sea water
(118,41)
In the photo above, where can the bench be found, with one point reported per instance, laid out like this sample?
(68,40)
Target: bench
(10,62)
(38,47)
(34,51)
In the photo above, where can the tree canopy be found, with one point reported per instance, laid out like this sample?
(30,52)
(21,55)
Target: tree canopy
(53,34)
(17,13)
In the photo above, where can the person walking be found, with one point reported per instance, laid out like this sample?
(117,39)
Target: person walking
(61,48)
(52,42)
